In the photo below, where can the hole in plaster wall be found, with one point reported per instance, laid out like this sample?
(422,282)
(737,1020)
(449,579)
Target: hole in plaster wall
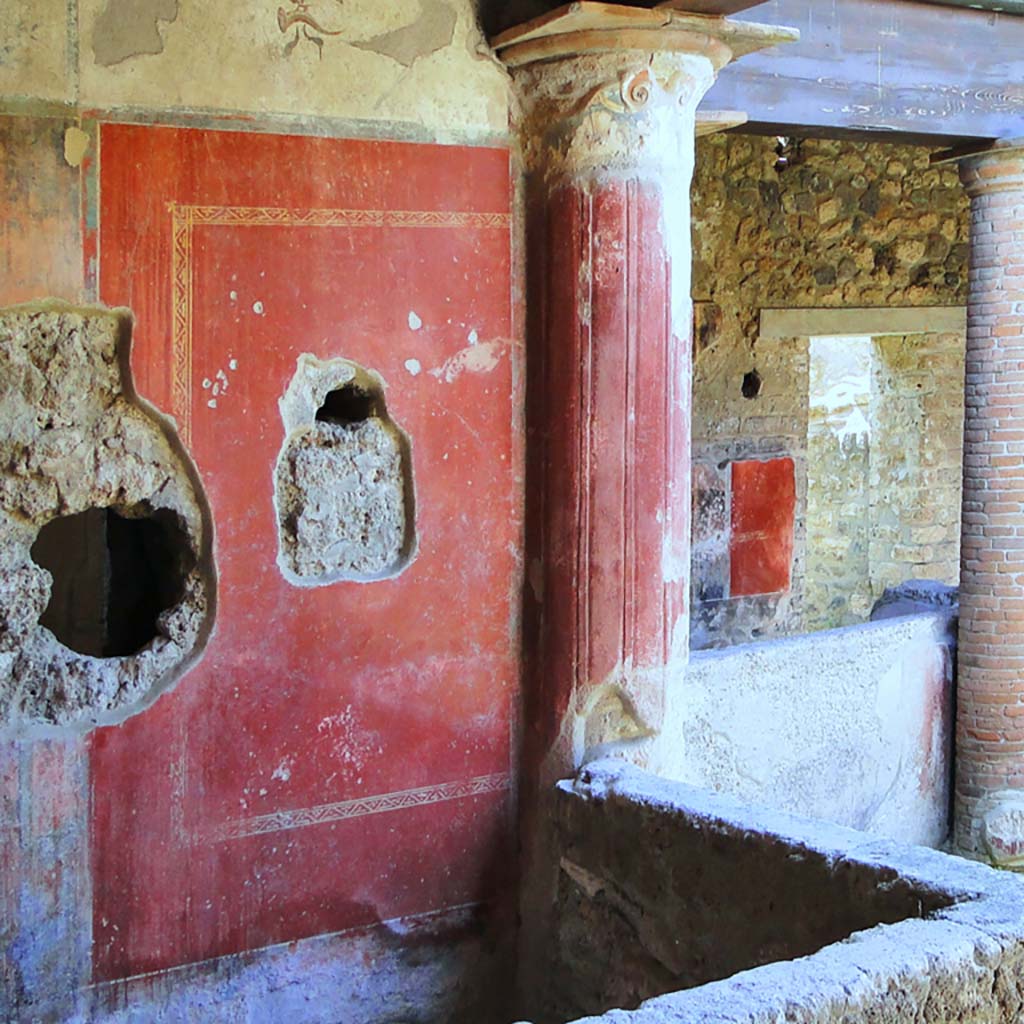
(350,404)
(107,583)
(114,573)
(343,484)
(751,386)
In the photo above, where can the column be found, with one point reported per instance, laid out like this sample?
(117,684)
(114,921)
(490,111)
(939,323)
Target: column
(989,786)
(605,106)
(606,118)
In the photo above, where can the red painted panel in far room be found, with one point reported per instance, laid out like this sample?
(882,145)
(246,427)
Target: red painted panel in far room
(340,756)
(761,535)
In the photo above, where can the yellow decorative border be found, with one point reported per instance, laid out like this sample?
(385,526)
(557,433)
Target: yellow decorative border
(185,218)
(281,821)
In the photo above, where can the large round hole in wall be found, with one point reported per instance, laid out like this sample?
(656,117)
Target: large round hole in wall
(348,404)
(751,386)
(114,572)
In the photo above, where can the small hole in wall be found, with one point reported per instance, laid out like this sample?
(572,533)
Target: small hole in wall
(751,386)
(113,573)
(788,152)
(348,404)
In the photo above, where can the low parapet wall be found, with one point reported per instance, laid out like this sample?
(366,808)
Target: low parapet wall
(664,888)
(850,725)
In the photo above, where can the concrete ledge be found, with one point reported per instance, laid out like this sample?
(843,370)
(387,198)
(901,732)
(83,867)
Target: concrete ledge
(852,725)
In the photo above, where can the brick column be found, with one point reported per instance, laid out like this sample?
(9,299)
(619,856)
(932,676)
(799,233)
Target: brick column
(989,788)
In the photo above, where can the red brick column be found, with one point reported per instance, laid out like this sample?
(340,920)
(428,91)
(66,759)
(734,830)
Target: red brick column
(989,788)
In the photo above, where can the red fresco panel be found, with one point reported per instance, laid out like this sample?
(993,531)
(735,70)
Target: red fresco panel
(761,539)
(341,754)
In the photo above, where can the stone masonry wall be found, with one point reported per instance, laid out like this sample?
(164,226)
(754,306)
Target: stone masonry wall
(885,441)
(664,888)
(837,225)
(918,403)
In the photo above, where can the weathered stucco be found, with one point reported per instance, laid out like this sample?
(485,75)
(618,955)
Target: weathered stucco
(404,61)
(73,437)
(83,829)
(35,57)
(130,28)
(664,887)
(40,231)
(852,725)
(418,63)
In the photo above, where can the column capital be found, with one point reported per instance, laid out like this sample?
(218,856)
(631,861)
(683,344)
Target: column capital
(1000,168)
(614,88)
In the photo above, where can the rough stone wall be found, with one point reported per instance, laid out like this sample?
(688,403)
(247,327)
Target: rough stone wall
(840,225)
(771,426)
(664,887)
(916,458)
(343,481)
(885,441)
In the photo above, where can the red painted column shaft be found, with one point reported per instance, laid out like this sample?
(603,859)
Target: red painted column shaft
(606,102)
(610,458)
(606,625)
(989,792)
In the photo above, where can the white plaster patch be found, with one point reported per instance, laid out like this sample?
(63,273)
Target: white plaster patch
(415,323)
(414,366)
(257,308)
(477,358)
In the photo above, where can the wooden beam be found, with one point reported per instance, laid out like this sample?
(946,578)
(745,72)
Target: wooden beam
(921,72)
(999,6)
(710,122)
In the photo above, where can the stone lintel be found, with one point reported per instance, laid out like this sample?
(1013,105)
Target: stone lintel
(591,27)
(710,122)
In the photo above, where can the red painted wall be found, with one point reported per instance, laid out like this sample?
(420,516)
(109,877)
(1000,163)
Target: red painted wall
(341,755)
(761,538)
